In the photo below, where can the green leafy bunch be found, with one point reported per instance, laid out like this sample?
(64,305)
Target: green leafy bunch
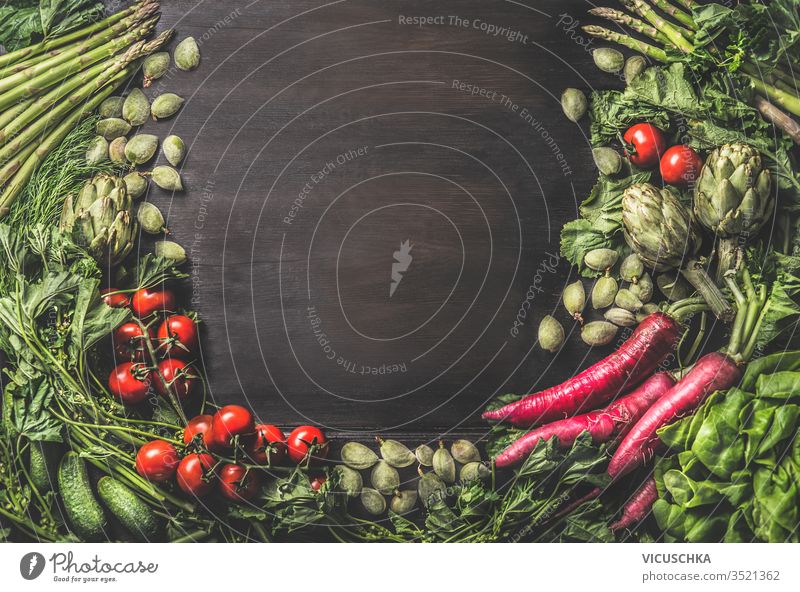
(23,22)
(733,469)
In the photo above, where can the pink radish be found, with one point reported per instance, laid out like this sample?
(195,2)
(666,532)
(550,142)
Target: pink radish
(712,372)
(638,506)
(603,425)
(645,349)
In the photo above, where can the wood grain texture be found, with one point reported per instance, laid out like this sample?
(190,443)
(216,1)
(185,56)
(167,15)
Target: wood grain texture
(368,128)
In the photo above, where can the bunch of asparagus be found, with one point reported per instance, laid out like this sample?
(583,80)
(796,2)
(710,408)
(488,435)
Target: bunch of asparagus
(47,88)
(671,25)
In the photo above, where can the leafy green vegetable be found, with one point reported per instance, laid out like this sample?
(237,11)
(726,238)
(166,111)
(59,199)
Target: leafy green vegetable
(612,112)
(52,304)
(601,223)
(24,22)
(773,31)
(782,312)
(733,465)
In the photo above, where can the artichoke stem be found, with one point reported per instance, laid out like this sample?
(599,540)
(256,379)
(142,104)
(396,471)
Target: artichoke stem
(697,276)
(727,254)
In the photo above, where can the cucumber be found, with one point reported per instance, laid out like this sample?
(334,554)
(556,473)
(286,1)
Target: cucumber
(84,513)
(135,515)
(44,457)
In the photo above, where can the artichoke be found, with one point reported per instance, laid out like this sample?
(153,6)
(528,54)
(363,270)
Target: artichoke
(733,198)
(661,231)
(101,219)
(658,227)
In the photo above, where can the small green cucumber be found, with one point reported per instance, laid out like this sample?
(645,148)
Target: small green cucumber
(135,515)
(44,458)
(84,513)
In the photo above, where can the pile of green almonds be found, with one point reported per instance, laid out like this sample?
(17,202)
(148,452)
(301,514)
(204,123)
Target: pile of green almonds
(375,479)
(119,115)
(622,294)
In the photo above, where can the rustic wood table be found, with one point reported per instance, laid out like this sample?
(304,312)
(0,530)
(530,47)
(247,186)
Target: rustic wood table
(374,194)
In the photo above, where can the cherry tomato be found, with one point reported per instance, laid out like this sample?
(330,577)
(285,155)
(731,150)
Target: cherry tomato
(177,336)
(146,302)
(680,165)
(644,144)
(200,424)
(179,377)
(194,474)
(268,446)
(317,483)
(230,421)
(115,300)
(300,441)
(128,340)
(129,382)
(157,461)
(236,484)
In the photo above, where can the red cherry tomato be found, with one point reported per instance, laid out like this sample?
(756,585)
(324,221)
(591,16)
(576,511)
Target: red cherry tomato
(236,484)
(645,144)
(177,336)
(157,461)
(317,483)
(179,377)
(115,300)
(146,302)
(302,439)
(200,424)
(680,165)
(128,340)
(129,382)
(194,475)
(268,446)
(230,421)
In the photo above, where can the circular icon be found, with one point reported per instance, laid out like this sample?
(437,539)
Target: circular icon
(31,565)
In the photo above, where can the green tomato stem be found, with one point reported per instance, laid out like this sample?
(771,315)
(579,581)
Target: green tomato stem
(173,399)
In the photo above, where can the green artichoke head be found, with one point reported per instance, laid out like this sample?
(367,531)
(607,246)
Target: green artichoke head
(101,219)
(733,194)
(658,227)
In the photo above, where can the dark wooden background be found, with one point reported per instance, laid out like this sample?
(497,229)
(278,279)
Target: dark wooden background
(480,184)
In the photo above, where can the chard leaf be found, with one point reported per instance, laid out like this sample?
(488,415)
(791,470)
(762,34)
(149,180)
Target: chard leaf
(777,362)
(717,444)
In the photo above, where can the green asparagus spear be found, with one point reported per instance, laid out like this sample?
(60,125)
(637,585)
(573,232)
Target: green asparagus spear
(40,83)
(650,51)
(778,96)
(46,110)
(29,164)
(625,19)
(679,15)
(114,34)
(9,169)
(25,53)
(10,114)
(673,32)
